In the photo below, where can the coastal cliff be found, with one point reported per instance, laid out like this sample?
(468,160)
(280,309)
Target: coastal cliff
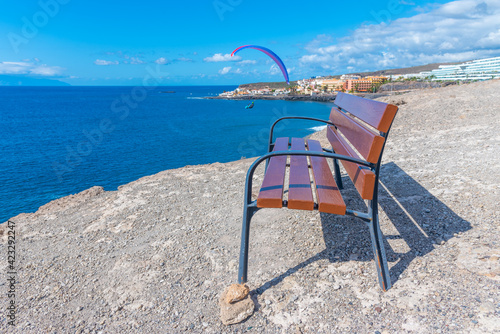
(155,255)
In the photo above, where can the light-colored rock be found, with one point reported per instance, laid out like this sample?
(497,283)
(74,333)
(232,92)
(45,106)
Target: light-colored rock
(236,312)
(481,260)
(236,292)
(487,307)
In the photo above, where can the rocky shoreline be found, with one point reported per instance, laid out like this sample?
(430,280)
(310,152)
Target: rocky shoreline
(315,98)
(155,255)
(311,98)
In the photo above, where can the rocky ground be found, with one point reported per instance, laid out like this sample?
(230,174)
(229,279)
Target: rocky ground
(411,85)
(155,255)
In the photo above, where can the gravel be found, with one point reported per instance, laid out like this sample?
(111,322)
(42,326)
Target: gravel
(155,255)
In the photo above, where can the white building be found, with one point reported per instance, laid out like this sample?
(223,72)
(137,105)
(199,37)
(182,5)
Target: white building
(350,77)
(227,94)
(420,75)
(482,69)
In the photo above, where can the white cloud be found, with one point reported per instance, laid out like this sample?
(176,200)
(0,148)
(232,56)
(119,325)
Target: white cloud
(225,70)
(491,40)
(456,31)
(105,62)
(184,59)
(45,70)
(126,59)
(162,61)
(29,68)
(247,62)
(220,57)
(14,67)
(136,60)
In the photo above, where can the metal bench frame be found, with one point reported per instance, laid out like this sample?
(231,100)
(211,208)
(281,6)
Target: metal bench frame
(370,217)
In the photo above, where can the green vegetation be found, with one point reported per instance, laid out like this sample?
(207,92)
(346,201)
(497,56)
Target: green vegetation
(271,85)
(376,86)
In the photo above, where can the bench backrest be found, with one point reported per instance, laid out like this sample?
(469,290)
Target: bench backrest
(361,130)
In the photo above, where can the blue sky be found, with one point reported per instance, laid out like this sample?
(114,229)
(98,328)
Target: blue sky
(189,42)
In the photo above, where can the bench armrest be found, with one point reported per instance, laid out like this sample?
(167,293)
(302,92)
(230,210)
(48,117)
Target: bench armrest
(317,154)
(292,117)
(251,170)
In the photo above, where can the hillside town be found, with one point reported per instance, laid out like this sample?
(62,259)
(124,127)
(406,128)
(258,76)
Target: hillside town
(476,70)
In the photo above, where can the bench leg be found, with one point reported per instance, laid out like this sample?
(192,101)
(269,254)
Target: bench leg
(338,178)
(379,251)
(245,237)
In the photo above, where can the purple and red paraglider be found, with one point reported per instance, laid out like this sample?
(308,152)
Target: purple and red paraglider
(268,52)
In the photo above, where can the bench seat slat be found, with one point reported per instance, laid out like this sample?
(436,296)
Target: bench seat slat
(328,194)
(376,113)
(299,188)
(362,177)
(271,191)
(365,141)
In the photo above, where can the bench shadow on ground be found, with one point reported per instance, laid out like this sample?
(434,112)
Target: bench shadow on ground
(416,221)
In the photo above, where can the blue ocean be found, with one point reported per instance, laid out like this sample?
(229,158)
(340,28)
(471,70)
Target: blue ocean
(57,141)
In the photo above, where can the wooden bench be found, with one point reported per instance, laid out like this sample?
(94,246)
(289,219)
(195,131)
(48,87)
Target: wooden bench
(357,131)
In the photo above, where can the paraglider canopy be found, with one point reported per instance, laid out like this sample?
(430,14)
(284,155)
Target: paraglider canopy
(268,52)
